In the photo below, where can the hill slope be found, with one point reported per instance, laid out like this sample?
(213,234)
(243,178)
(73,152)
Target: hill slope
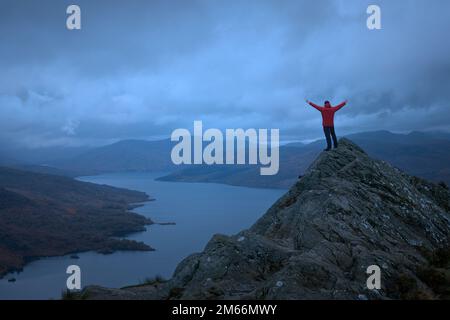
(126,155)
(346,213)
(48,215)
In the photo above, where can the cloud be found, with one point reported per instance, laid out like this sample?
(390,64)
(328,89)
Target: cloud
(70,127)
(143,68)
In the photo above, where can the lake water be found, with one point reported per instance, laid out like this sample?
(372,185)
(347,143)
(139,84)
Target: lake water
(198,209)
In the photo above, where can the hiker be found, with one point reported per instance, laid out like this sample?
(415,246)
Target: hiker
(327,112)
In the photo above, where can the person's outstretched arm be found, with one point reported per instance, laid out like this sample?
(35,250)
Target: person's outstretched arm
(312,104)
(340,105)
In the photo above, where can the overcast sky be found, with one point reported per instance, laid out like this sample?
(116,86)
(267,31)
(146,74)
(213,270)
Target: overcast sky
(140,69)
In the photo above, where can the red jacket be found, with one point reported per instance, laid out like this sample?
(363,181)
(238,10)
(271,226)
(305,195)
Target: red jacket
(327,113)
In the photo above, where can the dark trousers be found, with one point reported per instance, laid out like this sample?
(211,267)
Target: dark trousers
(329,133)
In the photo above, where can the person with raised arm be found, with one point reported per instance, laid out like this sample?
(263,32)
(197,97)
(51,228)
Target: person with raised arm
(328,112)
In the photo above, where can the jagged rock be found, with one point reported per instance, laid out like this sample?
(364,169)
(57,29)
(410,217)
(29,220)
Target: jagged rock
(346,213)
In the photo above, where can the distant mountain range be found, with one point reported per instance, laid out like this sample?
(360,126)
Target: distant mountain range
(126,155)
(39,155)
(424,154)
(50,215)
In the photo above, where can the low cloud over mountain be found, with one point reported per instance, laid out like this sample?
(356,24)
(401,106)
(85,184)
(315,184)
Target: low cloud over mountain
(142,69)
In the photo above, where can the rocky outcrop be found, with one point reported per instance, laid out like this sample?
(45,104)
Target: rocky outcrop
(346,213)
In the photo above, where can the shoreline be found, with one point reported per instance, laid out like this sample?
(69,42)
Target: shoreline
(111,245)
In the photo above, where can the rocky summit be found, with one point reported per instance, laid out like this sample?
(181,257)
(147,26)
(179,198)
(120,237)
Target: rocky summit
(346,213)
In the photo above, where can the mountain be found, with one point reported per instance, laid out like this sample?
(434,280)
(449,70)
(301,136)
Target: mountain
(426,155)
(422,154)
(126,155)
(348,212)
(49,215)
(293,161)
(45,169)
(38,155)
